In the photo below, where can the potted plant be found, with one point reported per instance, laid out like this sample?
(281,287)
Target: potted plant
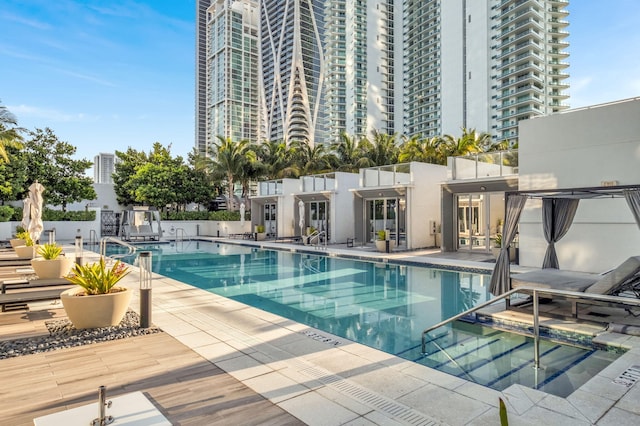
(381,242)
(18,240)
(97,301)
(497,245)
(28,250)
(260,233)
(52,263)
(310,231)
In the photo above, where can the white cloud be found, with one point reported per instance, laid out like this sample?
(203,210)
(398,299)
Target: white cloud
(50,115)
(24,21)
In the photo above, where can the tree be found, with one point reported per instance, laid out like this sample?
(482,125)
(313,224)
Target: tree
(202,186)
(383,150)
(275,159)
(10,134)
(349,155)
(50,162)
(13,176)
(426,150)
(310,160)
(230,159)
(124,170)
(470,142)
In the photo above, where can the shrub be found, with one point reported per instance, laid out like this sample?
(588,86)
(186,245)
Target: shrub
(6,213)
(49,251)
(78,215)
(224,215)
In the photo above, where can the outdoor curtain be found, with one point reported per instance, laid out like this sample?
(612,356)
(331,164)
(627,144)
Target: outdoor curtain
(500,278)
(633,199)
(557,217)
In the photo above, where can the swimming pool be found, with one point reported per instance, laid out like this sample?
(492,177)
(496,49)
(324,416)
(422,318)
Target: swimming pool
(382,305)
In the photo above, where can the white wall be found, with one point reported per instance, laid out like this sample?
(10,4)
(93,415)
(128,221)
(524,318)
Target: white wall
(423,203)
(342,211)
(582,148)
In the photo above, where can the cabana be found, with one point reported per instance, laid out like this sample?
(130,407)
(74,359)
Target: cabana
(140,223)
(558,210)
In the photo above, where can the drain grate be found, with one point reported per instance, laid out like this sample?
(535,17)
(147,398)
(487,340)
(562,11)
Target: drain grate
(398,411)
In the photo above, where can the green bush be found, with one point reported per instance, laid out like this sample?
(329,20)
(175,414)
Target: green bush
(224,215)
(17,214)
(59,215)
(6,213)
(197,215)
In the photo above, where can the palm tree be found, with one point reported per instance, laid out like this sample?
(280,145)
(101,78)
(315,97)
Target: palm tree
(9,133)
(470,142)
(310,160)
(349,155)
(425,150)
(229,162)
(275,159)
(383,150)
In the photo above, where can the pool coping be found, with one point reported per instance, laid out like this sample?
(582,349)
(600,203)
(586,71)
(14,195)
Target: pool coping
(325,379)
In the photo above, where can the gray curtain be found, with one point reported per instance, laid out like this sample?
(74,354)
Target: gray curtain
(500,277)
(557,217)
(633,199)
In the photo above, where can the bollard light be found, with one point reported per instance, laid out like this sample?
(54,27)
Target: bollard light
(79,249)
(144,262)
(52,236)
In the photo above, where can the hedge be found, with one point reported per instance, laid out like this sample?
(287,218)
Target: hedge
(59,215)
(6,213)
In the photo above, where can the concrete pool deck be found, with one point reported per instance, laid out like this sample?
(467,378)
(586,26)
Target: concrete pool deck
(323,379)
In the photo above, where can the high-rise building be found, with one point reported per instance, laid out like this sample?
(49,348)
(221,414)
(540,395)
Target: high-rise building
(483,64)
(103,168)
(234,92)
(201,76)
(293,69)
(412,67)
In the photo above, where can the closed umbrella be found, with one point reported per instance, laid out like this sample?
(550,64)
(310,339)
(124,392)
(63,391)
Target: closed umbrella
(242,207)
(26,213)
(35,197)
(301,214)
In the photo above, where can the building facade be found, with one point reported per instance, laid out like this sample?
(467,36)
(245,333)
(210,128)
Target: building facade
(201,76)
(103,168)
(234,92)
(412,67)
(482,64)
(293,66)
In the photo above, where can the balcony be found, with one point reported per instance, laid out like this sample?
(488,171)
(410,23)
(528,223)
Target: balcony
(397,174)
(270,187)
(484,165)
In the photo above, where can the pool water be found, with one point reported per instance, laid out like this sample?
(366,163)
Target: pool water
(382,305)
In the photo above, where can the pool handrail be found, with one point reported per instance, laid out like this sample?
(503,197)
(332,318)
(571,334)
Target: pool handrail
(577,297)
(317,234)
(103,247)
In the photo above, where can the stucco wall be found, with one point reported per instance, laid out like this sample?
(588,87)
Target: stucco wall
(582,148)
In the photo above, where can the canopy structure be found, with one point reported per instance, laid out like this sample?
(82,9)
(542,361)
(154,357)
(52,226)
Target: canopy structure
(140,223)
(558,209)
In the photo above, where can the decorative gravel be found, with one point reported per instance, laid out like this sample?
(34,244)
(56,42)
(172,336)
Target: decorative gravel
(62,334)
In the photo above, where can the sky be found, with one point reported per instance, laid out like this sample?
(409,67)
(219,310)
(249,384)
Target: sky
(108,75)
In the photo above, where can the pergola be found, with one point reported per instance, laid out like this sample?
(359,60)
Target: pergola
(558,210)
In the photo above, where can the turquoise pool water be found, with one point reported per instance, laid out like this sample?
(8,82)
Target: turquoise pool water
(382,305)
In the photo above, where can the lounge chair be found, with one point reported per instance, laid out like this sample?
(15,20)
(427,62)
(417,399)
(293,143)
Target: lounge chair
(39,290)
(624,278)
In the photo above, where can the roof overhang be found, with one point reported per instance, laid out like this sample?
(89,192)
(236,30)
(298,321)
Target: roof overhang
(381,191)
(578,193)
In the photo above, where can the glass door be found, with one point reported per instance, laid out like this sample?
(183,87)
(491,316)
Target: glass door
(386,214)
(480,218)
(270,223)
(318,217)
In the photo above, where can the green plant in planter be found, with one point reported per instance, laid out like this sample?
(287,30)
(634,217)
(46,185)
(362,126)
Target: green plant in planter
(49,251)
(24,235)
(260,229)
(382,235)
(97,278)
(497,241)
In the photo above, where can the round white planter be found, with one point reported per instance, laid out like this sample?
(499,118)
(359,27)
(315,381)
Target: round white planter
(15,242)
(52,268)
(26,251)
(100,310)
(381,245)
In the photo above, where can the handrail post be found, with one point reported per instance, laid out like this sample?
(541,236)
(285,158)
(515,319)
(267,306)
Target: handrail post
(536,331)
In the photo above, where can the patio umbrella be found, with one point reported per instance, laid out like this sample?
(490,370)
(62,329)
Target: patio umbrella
(26,213)
(242,207)
(301,214)
(35,197)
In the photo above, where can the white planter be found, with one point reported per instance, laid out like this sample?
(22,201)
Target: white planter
(15,242)
(101,310)
(52,268)
(261,236)
(28,252)
(381,245)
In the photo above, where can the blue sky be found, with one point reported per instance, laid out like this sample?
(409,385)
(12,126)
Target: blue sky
(106,75)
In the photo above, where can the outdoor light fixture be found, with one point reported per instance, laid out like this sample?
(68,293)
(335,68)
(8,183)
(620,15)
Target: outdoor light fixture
(52,236)
(144,262)
(79,250)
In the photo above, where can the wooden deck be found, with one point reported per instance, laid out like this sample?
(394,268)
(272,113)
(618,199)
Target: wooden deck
(186,388)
